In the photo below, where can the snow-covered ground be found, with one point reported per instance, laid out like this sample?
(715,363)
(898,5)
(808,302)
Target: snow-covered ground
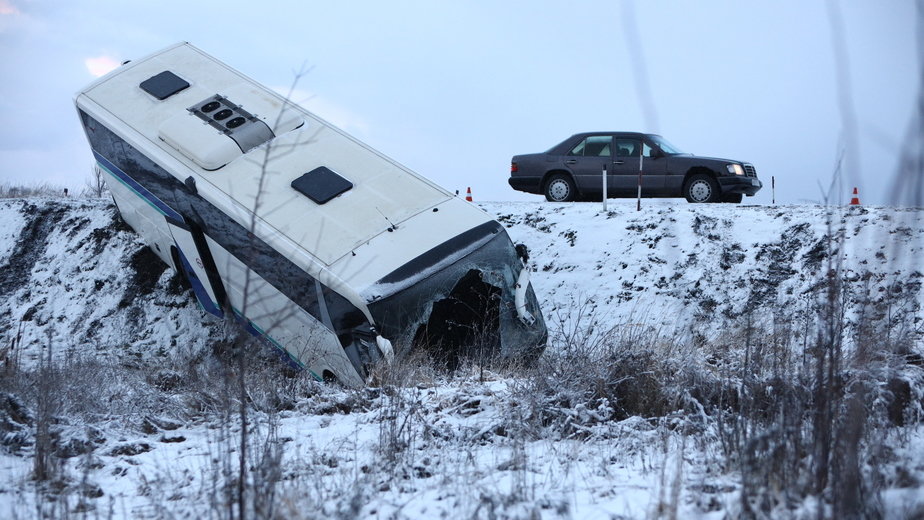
(144,421)
(674,265)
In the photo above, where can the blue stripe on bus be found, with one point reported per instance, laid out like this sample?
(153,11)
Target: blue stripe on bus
(138,189)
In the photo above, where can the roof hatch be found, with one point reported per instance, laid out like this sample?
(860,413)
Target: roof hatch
(321,184)
(164,85)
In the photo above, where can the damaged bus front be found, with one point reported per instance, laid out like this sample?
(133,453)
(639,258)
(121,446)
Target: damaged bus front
(468,298)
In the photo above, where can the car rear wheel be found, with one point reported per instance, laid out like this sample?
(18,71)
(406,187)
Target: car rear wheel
(559,188)
(701,188)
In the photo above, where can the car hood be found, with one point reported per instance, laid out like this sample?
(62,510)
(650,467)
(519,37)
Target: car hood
(710,159)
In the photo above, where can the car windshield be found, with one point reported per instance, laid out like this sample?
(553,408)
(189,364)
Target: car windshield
(665,146)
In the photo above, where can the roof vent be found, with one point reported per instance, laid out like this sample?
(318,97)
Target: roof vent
(321,184)
(217,130)
(164,85)
(247,130)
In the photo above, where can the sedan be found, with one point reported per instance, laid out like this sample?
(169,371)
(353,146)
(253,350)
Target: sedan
(636,164)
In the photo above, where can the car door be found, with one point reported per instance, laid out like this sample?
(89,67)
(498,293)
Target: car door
(586,161)
(654,171)
(628,155)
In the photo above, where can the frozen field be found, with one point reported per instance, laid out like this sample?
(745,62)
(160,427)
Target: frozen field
(674,332)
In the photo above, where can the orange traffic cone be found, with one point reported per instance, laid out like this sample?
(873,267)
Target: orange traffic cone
(855,201)
(468,194)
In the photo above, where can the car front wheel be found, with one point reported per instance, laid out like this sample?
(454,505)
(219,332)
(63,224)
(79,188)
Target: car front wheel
(701,188)
(559,188)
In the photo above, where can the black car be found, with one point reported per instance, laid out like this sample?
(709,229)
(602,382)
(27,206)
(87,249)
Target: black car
(572,170)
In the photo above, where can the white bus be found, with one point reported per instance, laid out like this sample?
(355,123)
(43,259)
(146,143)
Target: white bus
(328,250)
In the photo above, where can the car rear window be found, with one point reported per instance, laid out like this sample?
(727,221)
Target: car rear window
(594,146)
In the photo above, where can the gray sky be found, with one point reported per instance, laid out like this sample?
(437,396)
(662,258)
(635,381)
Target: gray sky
(453,89)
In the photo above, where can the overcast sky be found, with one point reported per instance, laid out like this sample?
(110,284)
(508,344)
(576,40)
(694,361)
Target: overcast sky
(453,89)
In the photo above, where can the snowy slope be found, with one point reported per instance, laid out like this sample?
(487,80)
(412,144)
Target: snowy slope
(677,266)
(145,420)
(73,276)
(73,272)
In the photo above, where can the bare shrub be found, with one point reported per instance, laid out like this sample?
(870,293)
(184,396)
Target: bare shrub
(592,376)
(410,367)
(801,402)
(240,389)
(29,191)
(95,185)
(805,411)
(400,425)
(223,482)
(397,398)
(64,410)
(47,406)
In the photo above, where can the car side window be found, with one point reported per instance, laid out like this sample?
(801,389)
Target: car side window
(594,146)
(628,147)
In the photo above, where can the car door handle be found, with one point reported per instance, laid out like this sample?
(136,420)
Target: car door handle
(571,161)
(620,162)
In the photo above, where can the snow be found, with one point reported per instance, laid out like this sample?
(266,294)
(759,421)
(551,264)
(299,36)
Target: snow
(166,437)
(78,289)
(11,224)
(658,267)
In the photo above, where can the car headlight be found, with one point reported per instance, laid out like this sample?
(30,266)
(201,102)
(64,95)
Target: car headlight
(735,169)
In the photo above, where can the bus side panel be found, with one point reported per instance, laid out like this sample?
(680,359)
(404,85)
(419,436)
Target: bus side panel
(268,313)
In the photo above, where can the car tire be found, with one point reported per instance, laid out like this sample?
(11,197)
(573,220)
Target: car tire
(701,188)
(560,188)
(733,198)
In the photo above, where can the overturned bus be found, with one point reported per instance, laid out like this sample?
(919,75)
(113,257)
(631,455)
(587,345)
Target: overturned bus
(326,249)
